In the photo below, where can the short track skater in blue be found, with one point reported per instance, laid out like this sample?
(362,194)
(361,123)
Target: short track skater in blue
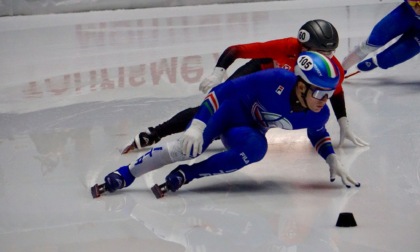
(240,112)
(402,23)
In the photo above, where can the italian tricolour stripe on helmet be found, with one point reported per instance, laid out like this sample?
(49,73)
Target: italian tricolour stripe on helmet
(329,66)
(316,69)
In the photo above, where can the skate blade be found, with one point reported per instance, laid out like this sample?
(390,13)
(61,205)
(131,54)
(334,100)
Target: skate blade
(351,74)
(97,190)
(127,149)
(159,191)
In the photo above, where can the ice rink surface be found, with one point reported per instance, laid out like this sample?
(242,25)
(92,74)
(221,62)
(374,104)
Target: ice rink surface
(75,88)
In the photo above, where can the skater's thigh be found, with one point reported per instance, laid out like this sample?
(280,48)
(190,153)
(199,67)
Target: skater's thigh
(246,139)
(228,116)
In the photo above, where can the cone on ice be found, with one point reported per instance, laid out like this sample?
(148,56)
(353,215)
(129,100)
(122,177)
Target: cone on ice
(346,220)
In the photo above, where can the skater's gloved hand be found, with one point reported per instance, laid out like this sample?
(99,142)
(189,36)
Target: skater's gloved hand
(336,168)
(346,133)
(213,80)
(192,140)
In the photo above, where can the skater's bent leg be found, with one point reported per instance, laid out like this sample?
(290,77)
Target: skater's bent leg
(153,135)
(153,159)
(404,49)
(245,146)
(156,158)
(358,54)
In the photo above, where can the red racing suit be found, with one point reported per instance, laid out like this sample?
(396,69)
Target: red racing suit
(280,53)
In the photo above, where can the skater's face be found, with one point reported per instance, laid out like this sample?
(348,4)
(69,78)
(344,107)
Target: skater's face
(314,100)
(316,97)
(415,4)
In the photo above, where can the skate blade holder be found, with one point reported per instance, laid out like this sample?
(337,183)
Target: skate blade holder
(97,190)
(159,190)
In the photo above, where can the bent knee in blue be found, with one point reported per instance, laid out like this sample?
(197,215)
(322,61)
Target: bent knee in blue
(402,50)
(397,22)
(246,140)
(245,145)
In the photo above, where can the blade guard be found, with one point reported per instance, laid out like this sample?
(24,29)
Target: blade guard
(97,190)
(159,190)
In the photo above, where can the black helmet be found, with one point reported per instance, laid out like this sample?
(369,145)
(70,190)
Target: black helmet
(318,35)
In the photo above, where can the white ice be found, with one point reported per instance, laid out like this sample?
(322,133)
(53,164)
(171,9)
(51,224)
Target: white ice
(75,88)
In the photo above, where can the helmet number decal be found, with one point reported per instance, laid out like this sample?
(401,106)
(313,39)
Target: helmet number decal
(303,36)
(305,63)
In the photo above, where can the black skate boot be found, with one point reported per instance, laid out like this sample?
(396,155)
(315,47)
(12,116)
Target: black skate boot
(174,181)
(142,140)
(148,138)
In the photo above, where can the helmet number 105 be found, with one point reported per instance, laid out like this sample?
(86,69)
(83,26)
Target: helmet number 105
(305,63)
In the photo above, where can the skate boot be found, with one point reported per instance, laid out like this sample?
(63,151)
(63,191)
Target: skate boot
(147,138)
(118,179)
(367,65)
(142,140)
(175,179)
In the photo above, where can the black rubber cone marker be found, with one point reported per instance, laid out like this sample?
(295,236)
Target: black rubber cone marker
(346,220)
